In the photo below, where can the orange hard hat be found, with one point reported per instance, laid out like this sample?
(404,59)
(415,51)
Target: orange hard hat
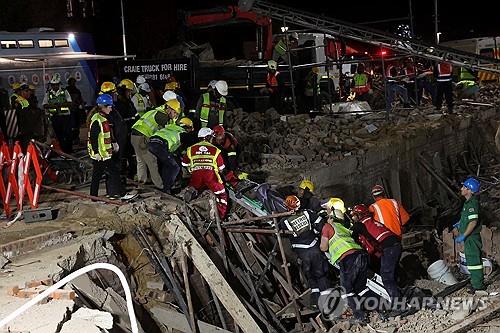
(292,202)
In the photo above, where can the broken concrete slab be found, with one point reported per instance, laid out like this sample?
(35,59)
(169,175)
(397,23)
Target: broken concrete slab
(98,318)
(79,325)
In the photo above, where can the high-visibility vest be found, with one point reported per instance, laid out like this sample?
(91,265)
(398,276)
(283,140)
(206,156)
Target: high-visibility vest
(340,243)
(466,75)
(21,100)
(203,156)
(141,104)
(361,83)
(104,138)
(410,73)
(444,72)
(389,213)
(389,73)
(310,78)
(147,124)
(280,47)
(207,105)
(58,97)
(171,134)
(272,81)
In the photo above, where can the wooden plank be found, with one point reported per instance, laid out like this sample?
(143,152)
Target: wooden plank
(475,319)
(212,275)
(177,321)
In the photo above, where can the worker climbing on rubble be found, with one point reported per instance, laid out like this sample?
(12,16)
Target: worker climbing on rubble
(230,149)
(306,227)
(375,237)
(205,163)
(274,85)
(350,258)
(468,231)
(57,102)
(306,196)
(212,106)
(388,212)
(443,73)
(361,83)
(141,100)
(144,128)
(164,144)
(101,148)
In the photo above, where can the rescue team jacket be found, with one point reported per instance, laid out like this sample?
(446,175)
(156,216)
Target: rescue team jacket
(272,81)
(390,213)
(306,227)
(229,144)
(340,242)
(203,156)
(443,72)
(377,230)
(219,107)
(58,97)
(104,147)
(171,135)
(147,124)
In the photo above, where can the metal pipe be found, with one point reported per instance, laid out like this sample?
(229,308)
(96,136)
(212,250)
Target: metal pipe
(387,106)
(287,273)
(59,152)
(123,31)
(436,31)
(290,67)
(258,218)
(83,195)
(187,287)
(256,231)
(412,28)
(437,177)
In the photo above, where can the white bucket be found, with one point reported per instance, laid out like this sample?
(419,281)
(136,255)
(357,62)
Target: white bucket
(487,265)
(438,271)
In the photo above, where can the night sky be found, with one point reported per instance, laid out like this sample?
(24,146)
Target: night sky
(153,25)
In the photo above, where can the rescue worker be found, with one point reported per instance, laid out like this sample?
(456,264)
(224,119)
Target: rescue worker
(388,212)
(312,89)
(306,196)
(443,74)
(281,47)
(21,105)
(274,85)
(424,82)
(361,84)
(394,87)
(174,86)
(212,106)
(205,163)
(77,105)
(467,87)
(331,205)
(141,100)
(389,244)
(101,148)
(164,144)
(230,149)
(143,129)
(57,102)
(306,227)
(350,258)
(468,231)
(409,80)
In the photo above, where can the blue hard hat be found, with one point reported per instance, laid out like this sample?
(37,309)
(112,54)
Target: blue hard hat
(104,99)
(472,184)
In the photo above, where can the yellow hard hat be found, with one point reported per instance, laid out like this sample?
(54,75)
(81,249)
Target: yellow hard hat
(185,122)
(335,204)
(315,70)
(174,104)
(107,87)
(306,183)
(128,84)
(16,85)
(171,85)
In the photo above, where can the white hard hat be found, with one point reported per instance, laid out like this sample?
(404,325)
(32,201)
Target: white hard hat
(140,79)
(169,95)
(204,132)
(221,87)
(294,35)
(144,86)
(212,84)
(56,79)
(272,64)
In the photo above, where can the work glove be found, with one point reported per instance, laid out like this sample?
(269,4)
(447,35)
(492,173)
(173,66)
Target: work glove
(456,225)
(116,147)
(460,239)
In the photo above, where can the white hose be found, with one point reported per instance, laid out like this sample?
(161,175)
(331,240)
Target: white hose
(81,271)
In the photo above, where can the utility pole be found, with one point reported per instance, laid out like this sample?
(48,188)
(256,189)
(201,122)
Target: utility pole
(123,32)
(436,30)
(411,19)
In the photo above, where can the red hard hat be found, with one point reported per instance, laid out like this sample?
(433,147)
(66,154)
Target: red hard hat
(360,210)
(219,130)
(377,190)
(292,202)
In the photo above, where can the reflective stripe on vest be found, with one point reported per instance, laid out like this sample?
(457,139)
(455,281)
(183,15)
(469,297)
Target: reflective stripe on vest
(280,47)
(147,125)
(272,81)
(389,76)
(466,75)
(204,161)
(171,134)
(207,105)
(103,140)
(444,72)
(361,83)
(340,243)
(58,97)
(22,101)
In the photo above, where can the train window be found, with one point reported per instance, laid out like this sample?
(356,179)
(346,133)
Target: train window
(61,43)
(8,44)
(44,43)
(25,43)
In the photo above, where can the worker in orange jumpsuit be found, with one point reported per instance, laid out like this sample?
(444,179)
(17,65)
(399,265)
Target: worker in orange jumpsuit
(205,162)
(388,212)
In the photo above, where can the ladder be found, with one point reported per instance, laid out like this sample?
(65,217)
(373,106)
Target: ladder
(352,31)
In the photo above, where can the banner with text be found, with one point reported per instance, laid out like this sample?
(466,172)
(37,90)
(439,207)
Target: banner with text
(157,71)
